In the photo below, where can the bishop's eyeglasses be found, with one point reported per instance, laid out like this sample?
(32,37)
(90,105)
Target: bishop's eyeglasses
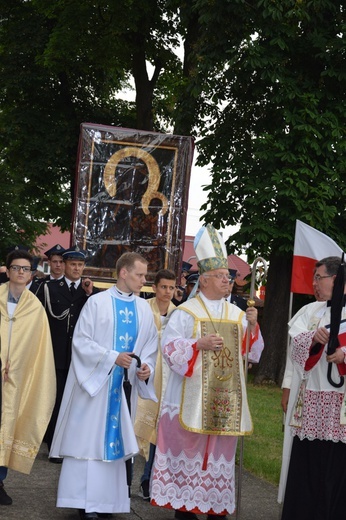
(220,276)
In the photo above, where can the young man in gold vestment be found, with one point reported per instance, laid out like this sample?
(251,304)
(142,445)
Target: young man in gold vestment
(27,370)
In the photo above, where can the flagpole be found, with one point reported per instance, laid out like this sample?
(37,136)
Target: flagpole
(290,307)
(287,348)
(250,303)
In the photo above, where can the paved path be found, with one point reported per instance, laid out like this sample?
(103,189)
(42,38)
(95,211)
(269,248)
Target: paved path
(34,497)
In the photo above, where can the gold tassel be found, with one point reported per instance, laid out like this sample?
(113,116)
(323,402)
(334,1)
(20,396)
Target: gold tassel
(297,415)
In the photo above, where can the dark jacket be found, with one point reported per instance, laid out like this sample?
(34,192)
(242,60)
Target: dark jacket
(36,284)
(62,301)
(238,301)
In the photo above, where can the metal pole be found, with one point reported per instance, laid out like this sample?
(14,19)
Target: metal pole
(250,303)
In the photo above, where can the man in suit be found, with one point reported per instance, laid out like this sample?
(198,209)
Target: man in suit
(63,300)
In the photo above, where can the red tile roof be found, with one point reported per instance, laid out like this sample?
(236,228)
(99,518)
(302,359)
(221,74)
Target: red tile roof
(53,236)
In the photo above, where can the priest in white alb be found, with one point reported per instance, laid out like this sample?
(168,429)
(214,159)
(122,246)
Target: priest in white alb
(94,432)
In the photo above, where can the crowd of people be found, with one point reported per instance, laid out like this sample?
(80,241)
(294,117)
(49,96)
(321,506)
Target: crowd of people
(102,375)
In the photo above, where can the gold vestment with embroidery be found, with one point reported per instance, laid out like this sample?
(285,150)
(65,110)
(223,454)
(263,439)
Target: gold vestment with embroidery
(214,399)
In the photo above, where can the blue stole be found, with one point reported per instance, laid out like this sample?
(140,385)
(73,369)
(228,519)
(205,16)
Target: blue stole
(125,335)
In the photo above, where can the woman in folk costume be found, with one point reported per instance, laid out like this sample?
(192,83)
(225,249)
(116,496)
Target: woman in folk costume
(205,406)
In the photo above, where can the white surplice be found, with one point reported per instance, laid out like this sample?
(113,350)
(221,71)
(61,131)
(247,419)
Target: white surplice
(87,481)
(308,319)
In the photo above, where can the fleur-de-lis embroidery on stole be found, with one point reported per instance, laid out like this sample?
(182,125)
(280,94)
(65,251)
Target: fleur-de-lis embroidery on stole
(125,335)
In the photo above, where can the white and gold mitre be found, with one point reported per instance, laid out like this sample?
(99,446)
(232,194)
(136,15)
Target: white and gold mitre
(210,250)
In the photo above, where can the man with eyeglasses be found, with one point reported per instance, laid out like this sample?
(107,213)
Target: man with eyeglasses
(205,407)
(313,476)
(27,370)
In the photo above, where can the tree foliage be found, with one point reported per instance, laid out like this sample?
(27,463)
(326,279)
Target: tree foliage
(62,63)
(65,62)
(261,86)
(277,143)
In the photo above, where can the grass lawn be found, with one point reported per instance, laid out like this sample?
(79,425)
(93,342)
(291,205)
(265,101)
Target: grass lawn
(263,449)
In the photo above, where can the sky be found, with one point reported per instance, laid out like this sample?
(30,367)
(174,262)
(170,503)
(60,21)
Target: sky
(197,197)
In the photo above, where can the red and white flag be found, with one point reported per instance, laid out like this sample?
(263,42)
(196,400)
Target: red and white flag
(310,246)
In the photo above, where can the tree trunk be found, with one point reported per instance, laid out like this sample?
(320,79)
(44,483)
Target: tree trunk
(144,93)
(275,318)
(144,86)
(187,103)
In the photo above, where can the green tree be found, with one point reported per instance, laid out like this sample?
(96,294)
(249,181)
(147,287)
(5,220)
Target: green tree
(63,63)
(41,110)
(262,85)
(277,145)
